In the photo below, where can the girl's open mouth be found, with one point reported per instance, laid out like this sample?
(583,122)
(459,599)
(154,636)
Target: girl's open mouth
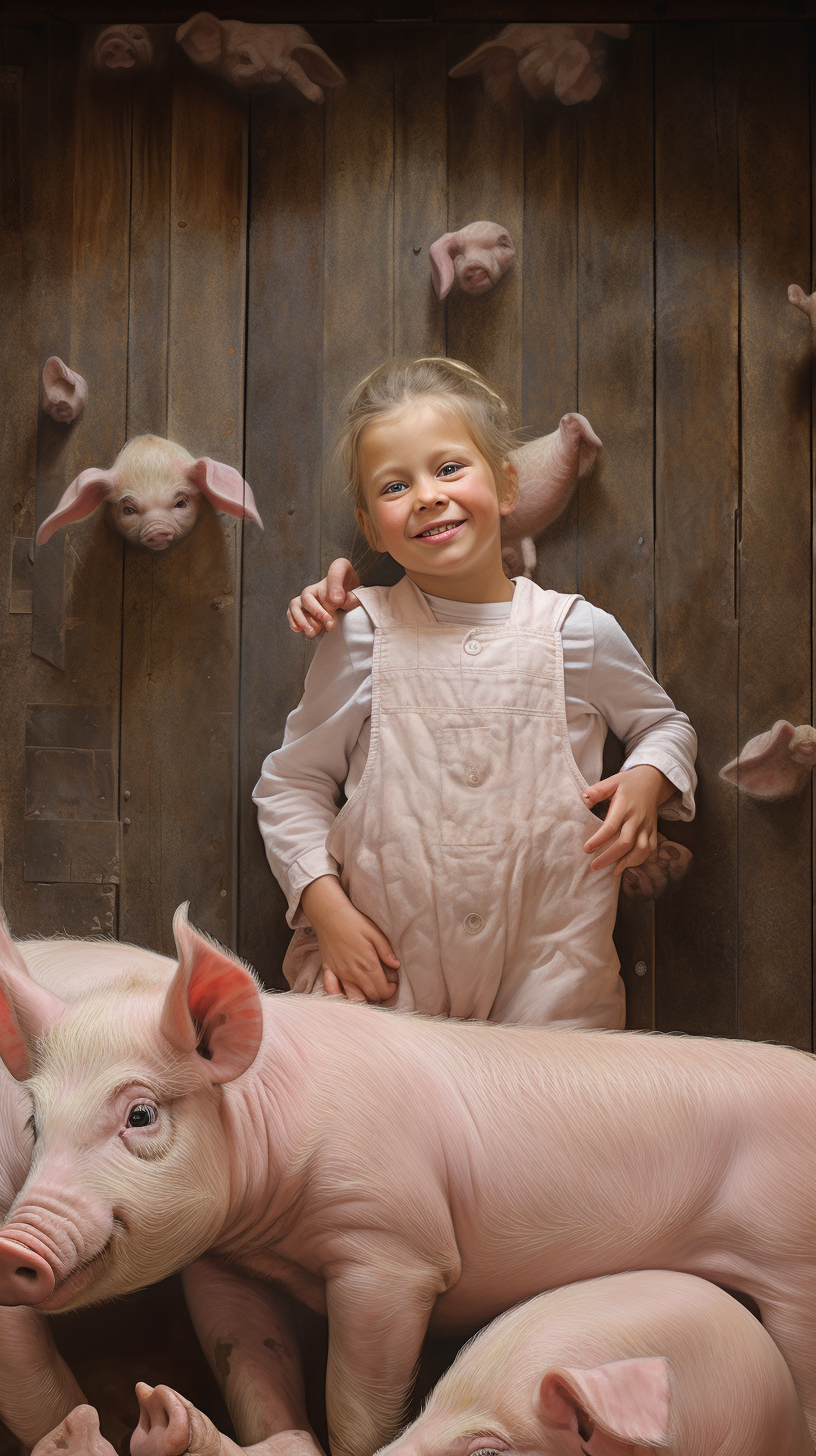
(442,531)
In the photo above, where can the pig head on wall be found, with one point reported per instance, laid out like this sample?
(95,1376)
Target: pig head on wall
(123,47)
(564,59)
(153,493)
(64,393)
(475,257)
(258,55)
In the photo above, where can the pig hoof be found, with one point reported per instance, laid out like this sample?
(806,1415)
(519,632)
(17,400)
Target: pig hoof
(170,1425)
(78,1434)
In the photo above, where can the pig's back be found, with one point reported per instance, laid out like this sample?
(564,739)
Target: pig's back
(731,1393)
(71,968)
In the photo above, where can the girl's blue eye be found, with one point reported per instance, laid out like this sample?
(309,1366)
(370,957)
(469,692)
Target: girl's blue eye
(450,468)
(394,487)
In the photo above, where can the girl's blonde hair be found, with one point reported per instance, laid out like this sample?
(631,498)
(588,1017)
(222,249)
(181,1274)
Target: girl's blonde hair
(398,383)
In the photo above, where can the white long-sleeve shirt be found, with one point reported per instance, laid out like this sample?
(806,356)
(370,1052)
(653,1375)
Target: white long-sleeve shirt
(606,683)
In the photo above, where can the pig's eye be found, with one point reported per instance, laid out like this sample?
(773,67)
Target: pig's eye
(141,1115)
(180,503)
(128,510)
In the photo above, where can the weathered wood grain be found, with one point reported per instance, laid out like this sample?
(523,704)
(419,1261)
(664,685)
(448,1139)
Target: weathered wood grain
(358,298)
(550,306)
(180,681)
(284,426)
(486,182)
(697,482)
(420,187)
(615,391)
(775,941)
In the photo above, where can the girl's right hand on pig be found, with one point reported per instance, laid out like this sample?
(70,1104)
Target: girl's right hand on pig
(312,610)
(358,961)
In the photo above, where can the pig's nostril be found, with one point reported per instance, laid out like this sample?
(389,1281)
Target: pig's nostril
(25,1272)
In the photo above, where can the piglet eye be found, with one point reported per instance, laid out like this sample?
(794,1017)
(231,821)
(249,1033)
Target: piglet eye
(180,503)
(128,510)
(141,1115)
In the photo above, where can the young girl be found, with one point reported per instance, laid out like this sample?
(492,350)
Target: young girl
(463,716)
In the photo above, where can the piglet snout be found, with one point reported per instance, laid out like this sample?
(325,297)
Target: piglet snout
(157,537)
(25,1277)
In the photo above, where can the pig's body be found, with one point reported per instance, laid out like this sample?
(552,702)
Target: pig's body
(655,1357)
(398,1172)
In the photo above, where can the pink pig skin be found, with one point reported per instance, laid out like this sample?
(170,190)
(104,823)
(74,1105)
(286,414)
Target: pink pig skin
(776,764)
(548,470)
(651,1358)
(37,1389)
(475,257)
(254,56)
(398,1173)
(562,58)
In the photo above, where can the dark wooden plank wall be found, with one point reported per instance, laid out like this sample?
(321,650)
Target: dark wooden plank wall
(192,249)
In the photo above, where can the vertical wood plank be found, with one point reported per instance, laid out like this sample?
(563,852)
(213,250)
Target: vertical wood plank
(615,391)
(697,433)
(359,229)
(550,306)
(284,448)
(180,686)
(775,973)
(486,182)
(420,186)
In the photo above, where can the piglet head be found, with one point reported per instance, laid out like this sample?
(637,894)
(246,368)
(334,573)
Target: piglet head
(130,1173)
(64,392)
(776,764)
(476,257)
(122,47)
(153,494)
(606,1410)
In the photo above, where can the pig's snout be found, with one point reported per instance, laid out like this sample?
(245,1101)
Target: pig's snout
(25,1277)
(157,536)
(479,273)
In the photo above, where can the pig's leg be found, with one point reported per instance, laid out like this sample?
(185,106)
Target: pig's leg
(78,1435)
(37,1390)
(169,1425)
(377,1324)
(791,1324)
(246,1332)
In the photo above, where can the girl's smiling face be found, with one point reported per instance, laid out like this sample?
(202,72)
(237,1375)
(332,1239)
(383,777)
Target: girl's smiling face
(433,503)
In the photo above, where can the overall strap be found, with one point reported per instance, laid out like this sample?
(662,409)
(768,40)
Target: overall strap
(402,605)
(542,610)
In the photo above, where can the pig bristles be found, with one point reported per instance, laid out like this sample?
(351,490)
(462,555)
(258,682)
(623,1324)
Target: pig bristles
(146,462)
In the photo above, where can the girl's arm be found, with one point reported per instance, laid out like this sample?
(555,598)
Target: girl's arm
(311,612)
(297,798)
(659,741)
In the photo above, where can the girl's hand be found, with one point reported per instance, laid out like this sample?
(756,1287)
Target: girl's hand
(310,612)
(354,951)
(630,827)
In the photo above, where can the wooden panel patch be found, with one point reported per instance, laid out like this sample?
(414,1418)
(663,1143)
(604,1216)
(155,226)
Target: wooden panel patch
(70,833)
(22,574)
(72,852)
(83,910)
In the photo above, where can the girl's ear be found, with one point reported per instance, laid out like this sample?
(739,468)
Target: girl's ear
(366,525)
(509,500)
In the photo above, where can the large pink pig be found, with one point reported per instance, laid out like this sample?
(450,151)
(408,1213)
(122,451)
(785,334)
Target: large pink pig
(632,1361)
(393,1172)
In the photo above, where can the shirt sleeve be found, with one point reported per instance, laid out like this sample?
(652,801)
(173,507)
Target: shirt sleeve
(301,784)
(640,713)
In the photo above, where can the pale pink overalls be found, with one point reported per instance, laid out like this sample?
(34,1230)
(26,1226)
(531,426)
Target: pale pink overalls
(464,839)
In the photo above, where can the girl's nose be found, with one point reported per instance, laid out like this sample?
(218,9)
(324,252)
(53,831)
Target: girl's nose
(430,491)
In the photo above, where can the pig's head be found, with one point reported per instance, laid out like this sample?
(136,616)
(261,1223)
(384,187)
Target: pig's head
(258,55)
(561,58)
(64,393)
(496,1399)
(153,494)
(130,1173)
(122,47)
(476,257)
(776,764)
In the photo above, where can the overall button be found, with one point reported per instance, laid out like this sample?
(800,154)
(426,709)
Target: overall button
(473,923)
(472,647)
(473,775)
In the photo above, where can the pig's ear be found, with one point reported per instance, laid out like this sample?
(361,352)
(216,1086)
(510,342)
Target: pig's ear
(628,1400)
(767,767)
(213,1006)
(224,488)
(82,497)
(27,1010)
(319,67)
(201,38)
(442,253)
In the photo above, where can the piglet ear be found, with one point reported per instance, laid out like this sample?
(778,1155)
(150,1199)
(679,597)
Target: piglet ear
(82,497)
(442,253)
(27,1010)
(319,67)
(201,38)
(628,1400)
(213,1006)
(224,488)
(772,765)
